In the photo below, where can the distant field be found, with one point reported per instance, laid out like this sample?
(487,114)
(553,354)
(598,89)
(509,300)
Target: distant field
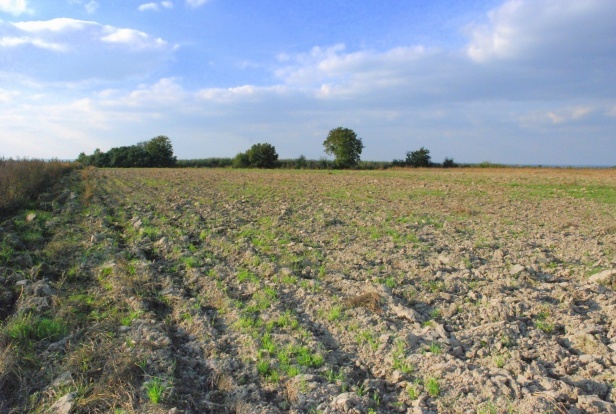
(216,290)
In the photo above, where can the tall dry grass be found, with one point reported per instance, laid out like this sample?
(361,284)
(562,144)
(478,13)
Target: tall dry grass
(21,181)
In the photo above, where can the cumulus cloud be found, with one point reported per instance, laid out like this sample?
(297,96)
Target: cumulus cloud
(15,7)
(95,50)
(544,29)
(528,50)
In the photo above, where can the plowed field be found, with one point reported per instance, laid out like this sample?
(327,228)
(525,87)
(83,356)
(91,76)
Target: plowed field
(446,291)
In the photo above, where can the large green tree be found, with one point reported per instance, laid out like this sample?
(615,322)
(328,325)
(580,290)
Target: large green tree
(258,156)
(344,144)
(263,156)
(160,152)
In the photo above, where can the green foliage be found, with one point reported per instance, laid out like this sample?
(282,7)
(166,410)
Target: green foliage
(157,152)
(419,158)
(344,144)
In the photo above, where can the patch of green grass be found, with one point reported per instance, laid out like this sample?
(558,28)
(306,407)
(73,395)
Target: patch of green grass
(306,358)
(245,274)
(27,328)
(542,322)
(487,408)
(499,361)
(413,390)
(263,367)
(155,388)
(333,376)
(433,387)
(434,286)
(335,313)
(435,348)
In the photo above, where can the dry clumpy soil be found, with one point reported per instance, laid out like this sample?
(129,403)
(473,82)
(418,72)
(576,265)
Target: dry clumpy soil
(422,291)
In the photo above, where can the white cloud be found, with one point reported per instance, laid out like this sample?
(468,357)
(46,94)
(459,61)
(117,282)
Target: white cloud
(42,44)
(195,3)
(148,6)
(155,6)
(15,7)
(91,7)
(62,24)
(522,29)
(89,50)
(132,38)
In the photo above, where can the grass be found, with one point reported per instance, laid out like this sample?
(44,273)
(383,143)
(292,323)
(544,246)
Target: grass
(413,390)
(433,387)
(25,329)
(542,322)
(155,388)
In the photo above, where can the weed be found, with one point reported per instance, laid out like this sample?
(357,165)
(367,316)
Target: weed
(263,367)
(413,390)
(333,376)
(335,313)
(155,389)
(360,390)
(499,361)
(433,387)
(542,323)
(487,408)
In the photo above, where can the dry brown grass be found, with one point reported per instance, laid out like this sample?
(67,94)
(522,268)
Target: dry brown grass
(10,379)
(369,300)
(22,180)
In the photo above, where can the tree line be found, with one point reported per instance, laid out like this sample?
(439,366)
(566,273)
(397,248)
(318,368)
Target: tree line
(342,143)
(157,152)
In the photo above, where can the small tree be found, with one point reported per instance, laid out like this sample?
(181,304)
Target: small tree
(419,158)
(344,144)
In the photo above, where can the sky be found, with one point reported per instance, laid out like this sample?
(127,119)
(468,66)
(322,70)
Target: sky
(514,81)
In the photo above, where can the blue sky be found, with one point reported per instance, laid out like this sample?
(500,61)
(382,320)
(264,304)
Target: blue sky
(515,81)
